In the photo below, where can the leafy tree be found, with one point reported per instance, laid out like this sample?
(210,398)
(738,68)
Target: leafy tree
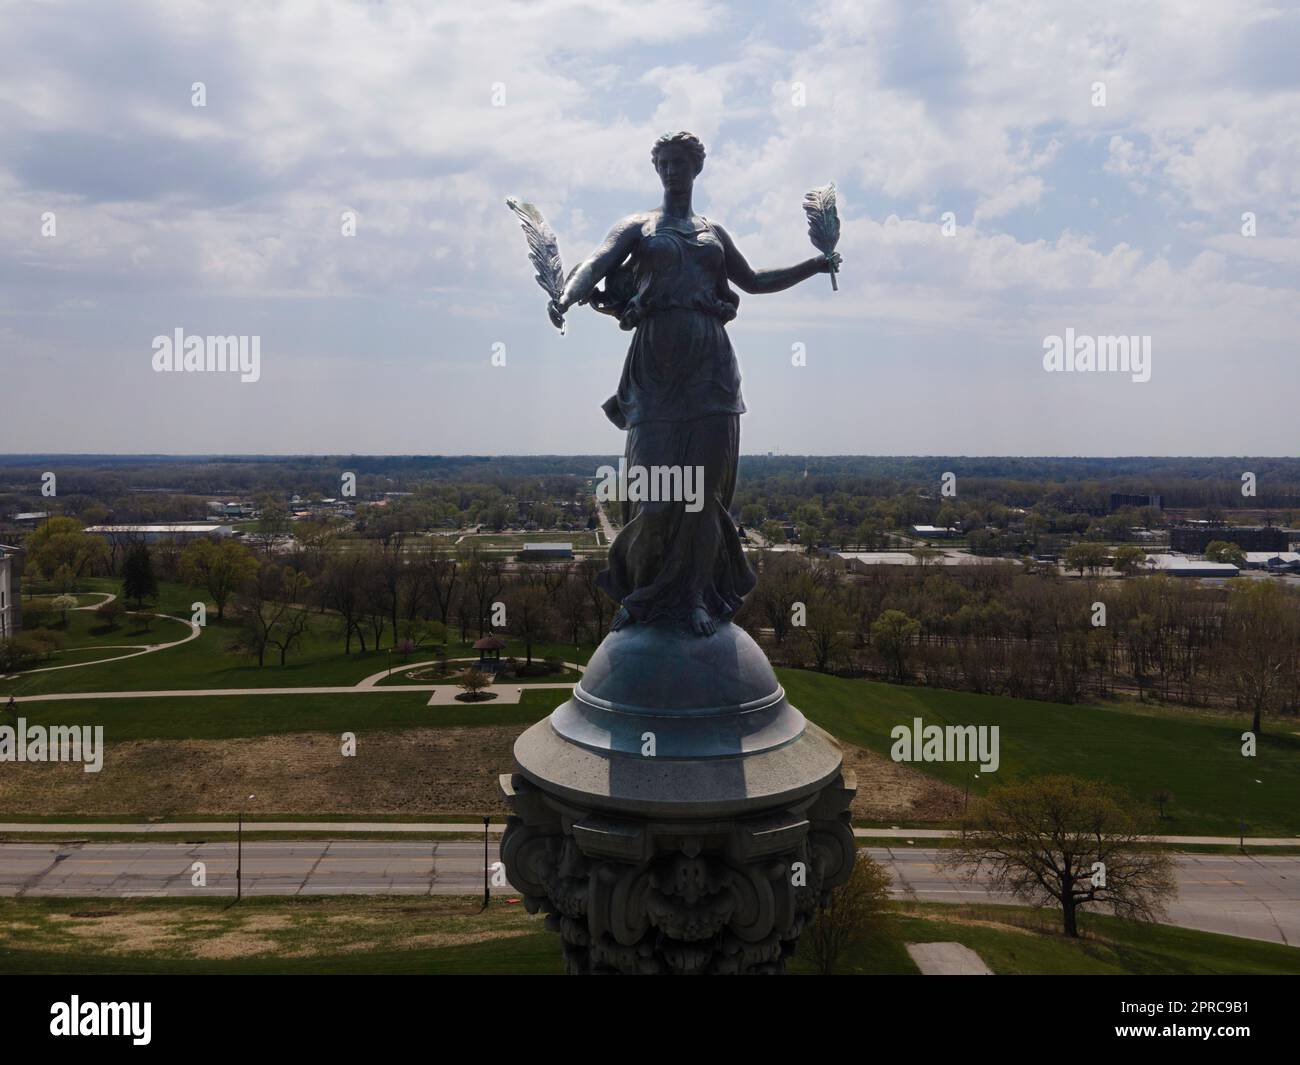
(892,634)
(1090,556)
(219,566)
(110,613)
(474,680)
(1223,551)
(138,581)
(27,647)
(64,603)
(1068,841)
(1129,559)
(856,909)
(60,544)
(273,522)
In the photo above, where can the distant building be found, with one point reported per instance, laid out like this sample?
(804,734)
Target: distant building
(11,570)
(1274,561)
(150,533)
(545,552)
(1182,566)
(933,532)
(31,517)
(864,561)
(1193,539)
(230,510)
(1126,499)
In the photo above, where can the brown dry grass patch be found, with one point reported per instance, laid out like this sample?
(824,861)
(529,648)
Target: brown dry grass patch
(414,773)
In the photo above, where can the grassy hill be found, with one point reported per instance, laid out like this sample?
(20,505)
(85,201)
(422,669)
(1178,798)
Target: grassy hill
(1196,757)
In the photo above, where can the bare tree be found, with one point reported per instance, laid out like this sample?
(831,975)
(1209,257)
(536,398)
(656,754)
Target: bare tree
(827,632)
(484,579)
(588,570)
(1260,632)
(444,573)
(340,590)
(1068,841)
(269,614)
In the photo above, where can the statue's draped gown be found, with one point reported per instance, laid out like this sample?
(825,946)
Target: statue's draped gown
(679,400)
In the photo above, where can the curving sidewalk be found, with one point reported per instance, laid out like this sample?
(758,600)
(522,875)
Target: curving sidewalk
(440,694)
(146,649)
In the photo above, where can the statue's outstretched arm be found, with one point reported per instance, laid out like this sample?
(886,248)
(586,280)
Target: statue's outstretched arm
(613,250)
(747,279)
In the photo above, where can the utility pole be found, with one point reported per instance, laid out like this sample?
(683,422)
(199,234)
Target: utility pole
(239,851)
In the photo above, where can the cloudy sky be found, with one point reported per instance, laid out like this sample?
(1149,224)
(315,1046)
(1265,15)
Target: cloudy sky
(1121,215)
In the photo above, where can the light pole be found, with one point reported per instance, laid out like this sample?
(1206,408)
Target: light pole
(239,851)
(964,803)
(486,892)
(1241,822)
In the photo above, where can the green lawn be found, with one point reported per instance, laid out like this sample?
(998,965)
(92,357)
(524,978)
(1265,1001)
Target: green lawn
(83,629)
(212,717)
(1196,757)
(1018,941)
(449,935)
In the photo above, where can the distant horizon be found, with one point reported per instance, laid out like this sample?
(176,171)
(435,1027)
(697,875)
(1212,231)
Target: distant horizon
(236,456)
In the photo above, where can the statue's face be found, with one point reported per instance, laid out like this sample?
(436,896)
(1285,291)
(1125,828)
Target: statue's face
(676,168)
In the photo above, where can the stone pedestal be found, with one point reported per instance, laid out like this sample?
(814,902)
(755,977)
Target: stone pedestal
(677,815)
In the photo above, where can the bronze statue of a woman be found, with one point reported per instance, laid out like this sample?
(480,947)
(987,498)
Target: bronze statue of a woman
(668,274)
(655,813)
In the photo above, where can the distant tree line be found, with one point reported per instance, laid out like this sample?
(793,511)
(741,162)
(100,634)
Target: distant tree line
(996,629)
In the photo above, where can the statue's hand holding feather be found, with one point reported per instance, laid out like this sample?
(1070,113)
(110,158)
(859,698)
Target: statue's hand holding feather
(556,309)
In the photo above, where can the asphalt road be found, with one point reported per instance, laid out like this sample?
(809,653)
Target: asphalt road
(1253,896)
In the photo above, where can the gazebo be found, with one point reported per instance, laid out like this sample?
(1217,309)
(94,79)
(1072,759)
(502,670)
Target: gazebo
(489,652)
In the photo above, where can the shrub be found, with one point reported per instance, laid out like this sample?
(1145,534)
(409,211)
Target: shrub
(24,649)
(855,912)
(110,613)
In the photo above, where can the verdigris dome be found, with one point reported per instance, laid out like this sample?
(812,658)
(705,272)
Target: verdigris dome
(668,671)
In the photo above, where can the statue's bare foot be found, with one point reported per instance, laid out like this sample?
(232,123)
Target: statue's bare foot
(702,622)
(621,618)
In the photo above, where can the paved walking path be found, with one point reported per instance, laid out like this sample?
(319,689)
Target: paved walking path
(144,649)
(432,828)
(947,959)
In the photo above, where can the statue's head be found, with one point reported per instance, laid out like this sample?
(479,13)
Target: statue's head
(678,158)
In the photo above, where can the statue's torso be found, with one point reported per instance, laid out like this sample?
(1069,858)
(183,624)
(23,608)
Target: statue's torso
(676,262)
(680,365)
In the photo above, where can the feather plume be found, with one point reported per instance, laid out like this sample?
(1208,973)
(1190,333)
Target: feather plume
(823,222)
(543,247)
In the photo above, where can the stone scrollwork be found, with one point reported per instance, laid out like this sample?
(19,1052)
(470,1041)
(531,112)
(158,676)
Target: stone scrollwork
(641,896)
